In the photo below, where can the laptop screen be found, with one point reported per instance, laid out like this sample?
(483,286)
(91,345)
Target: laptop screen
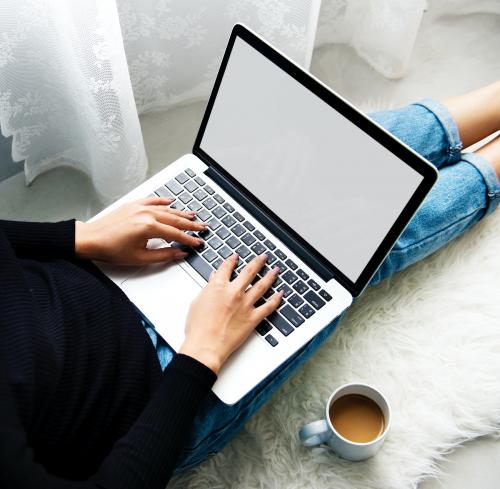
(338,188)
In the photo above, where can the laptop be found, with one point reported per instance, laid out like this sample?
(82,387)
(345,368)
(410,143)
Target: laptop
(285,166)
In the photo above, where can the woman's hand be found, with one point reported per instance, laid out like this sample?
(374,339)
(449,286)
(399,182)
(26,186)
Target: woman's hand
(121,236)
(223,315)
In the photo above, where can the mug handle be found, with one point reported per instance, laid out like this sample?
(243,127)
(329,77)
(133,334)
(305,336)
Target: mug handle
(315,433)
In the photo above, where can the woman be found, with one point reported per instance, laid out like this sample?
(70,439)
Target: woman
(83,399)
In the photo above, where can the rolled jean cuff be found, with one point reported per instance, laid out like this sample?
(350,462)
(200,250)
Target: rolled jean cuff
(449,126)
(490,179)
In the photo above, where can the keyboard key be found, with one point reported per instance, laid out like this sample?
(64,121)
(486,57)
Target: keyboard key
(225,252)
(264,270)
(177,205)
(314,299)
(263,328)
(190,186)
(228,221)
(164,192)
(214,224)
(210,255)
(228,207)
(325,295)
(270,258)
(289,277)
(200,265)
(307,311)
(182,178)
(219,198)
(238,217)
(259,235)
(268,293)
(300,287)
(238,230)
(292,316)
(281,255)
(190,172)
(194,206)
(233,242)
(199,181)
(270,244)
(287,291)
(296,301)
(215,243)
(200,194)
(280,265)
(209,190)
(219,212)
(203,214)
(217,263)
(291,264)
(249,258)
(223,233)
(185,197)
(303,275)
(249,225)
(209,203)
(313,285)
(174,187)
(280,323)
(248,239)
(258,249)
(243,251)
(271,340)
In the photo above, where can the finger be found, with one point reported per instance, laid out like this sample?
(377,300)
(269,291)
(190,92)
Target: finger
(158,255)
(223,274)
(179,222)
(176,212)
(156,201)
(270,306)
(249,272)
(170,233)
(258,289)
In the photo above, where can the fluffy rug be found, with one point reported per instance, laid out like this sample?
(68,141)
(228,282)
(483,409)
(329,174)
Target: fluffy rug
(429,338)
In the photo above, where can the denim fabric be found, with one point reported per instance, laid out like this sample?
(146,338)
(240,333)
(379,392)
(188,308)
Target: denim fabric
(467,189)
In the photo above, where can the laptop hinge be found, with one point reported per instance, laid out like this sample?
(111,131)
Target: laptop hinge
(270,223)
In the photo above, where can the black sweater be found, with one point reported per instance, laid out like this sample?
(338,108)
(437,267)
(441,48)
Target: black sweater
(83,401)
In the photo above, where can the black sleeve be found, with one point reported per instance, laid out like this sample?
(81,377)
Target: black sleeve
(41,239)
(144,458)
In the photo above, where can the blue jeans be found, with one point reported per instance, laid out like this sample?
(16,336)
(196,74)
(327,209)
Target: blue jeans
(467,190)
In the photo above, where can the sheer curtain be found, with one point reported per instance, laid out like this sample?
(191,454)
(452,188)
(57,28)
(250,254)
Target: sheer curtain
(75,74)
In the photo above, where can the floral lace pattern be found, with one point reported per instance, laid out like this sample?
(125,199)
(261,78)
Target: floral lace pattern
(74,76)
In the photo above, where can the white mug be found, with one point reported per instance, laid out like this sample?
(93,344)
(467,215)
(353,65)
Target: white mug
(322,431)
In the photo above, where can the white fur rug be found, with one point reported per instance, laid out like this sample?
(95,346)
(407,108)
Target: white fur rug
(429,337)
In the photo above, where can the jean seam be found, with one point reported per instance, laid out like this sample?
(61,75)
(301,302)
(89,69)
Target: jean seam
(438,233)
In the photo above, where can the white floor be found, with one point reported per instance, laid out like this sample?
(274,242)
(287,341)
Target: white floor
(452,55)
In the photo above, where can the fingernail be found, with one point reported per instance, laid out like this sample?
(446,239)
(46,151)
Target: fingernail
(236,256)
(192,213)
(200,241)
(264,256)
(276,270)
(180,255)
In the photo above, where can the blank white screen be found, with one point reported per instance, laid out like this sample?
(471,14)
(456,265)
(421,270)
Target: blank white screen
(332,183)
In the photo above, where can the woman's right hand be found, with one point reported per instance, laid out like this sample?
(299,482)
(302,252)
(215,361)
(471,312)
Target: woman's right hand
(223,315)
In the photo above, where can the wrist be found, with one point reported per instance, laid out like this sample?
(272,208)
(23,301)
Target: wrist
(83,245)
(207,357)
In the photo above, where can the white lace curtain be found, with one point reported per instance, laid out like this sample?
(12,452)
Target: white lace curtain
(75,74)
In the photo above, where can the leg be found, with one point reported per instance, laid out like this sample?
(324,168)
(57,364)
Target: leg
(465,193)
(477,113)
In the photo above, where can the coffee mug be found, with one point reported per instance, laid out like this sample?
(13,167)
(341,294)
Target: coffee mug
(323,432)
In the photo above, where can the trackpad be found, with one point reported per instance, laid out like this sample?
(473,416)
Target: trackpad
(163,293)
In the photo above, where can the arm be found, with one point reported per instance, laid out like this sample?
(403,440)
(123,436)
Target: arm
(41,239)
(145,457)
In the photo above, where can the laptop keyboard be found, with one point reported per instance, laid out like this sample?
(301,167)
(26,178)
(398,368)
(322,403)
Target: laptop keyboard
(229,232)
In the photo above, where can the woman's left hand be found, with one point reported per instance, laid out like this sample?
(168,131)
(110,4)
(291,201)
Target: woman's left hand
(121,236)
